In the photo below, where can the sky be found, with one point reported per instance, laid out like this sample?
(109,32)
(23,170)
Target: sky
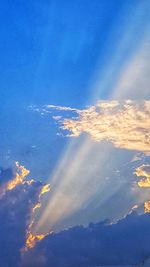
(74,111)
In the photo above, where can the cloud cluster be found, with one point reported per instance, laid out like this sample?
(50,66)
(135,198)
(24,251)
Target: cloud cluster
(18,197)
(15,211)
(123,123)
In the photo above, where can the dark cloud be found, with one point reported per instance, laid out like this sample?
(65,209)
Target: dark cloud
(15,212)
(126,242)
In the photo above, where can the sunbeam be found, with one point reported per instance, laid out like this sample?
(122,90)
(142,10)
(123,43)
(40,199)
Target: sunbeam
(75,180)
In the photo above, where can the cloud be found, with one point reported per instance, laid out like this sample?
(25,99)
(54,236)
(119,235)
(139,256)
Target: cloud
(60,108)
(123,123)
(77,246)
(18,198)
(15,210)
(126,242)
(85,179)
(144,171)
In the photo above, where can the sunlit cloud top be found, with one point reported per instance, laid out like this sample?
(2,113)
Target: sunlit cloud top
(125,124)
(143,171)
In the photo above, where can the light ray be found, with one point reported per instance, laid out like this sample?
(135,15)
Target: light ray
(71,182)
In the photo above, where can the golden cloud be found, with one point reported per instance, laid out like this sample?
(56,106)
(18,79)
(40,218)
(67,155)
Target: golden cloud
(144,171)
(126,124)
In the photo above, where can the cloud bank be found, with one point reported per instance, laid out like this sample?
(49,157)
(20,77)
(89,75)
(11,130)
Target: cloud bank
(77,246)
(126,242)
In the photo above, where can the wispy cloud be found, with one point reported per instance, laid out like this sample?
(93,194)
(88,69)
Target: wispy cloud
(60,108)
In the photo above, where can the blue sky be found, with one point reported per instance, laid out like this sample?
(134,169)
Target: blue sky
(49,53)
(74,110)
(62,53)
(68,53)
(50,49)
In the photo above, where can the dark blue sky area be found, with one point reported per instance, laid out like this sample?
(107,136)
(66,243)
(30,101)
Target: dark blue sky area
(49,49)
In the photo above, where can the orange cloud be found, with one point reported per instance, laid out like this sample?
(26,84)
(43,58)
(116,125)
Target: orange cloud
(37,206)
(32,239)
(147,207)
(45,189)
(144,171)
(19,178)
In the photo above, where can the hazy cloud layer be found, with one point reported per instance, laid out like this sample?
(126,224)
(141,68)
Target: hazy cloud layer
(125,124)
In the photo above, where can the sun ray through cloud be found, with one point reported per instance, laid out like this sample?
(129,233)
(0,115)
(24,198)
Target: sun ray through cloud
(125,124)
